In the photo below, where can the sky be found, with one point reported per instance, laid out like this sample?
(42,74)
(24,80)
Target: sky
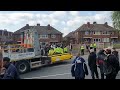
(64,21)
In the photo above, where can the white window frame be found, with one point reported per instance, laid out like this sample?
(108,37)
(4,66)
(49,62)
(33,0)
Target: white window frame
(96,33)
(43,36)
(106,40)
(105,33)
(112,33)
(99,39)
(53,36)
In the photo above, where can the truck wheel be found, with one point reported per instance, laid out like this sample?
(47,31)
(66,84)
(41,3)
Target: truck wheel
(22,66)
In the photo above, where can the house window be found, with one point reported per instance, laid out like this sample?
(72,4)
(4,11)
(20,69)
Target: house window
(43,43)
(105,33)
(96,40)
(43,36)
(112,33)
(86,33)
(105,39)
(99,40)
(90,32)
(53,36)
(108,40)
(97,33)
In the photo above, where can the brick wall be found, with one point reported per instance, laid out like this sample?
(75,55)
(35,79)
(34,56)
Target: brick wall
(82,34)
(58,38)
(5,36)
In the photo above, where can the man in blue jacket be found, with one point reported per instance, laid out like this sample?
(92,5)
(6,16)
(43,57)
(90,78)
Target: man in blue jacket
(79,68)
(11,71)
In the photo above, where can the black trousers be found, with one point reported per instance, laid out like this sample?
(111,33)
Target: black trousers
(102,76)
(94,49)
(101,71)
(82,52)
(111,76)
(79,78)
(94,72)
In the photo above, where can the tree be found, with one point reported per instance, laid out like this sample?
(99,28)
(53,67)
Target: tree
(116,19)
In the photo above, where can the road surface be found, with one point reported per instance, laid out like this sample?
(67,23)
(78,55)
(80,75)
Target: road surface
(56,71)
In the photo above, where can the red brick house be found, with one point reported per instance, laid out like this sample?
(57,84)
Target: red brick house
(70,38)
(101,33)
(47,34)
(6,36)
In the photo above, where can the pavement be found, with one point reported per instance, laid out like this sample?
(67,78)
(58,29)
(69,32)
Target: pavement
(57,71)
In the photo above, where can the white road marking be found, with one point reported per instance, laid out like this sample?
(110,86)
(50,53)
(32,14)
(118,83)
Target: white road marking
(48,76)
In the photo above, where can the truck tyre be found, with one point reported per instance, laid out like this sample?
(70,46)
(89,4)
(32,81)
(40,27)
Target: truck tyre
(22,66)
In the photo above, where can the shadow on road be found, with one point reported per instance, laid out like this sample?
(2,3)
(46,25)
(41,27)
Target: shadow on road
(51,65)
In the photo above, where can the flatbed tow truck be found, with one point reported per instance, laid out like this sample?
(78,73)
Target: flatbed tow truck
(28,58)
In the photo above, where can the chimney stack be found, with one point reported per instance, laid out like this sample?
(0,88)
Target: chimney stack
(94,22)
(38,24)
(88,24)
(106,23)
(49,26)
(27,24)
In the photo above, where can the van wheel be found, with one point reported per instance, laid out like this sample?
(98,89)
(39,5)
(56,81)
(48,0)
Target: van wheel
(22,66)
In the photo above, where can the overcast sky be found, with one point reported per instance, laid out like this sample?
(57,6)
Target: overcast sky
(64,21)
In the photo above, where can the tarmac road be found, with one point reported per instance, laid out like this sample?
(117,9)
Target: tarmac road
(56,71)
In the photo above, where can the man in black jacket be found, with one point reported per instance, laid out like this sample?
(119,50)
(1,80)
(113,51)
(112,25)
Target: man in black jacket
(112,65)
(92,64)
(114,52)
(101,56)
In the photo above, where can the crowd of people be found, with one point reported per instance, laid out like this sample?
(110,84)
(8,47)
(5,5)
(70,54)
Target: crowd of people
(54,49)
(107,60)
(88,47)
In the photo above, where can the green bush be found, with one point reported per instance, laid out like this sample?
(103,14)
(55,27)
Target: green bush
(116,46)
